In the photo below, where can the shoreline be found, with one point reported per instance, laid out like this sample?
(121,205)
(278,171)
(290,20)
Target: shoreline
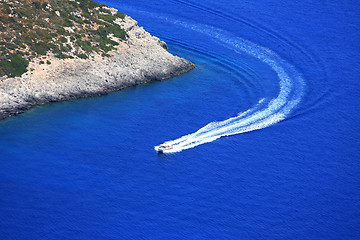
(21,109)
(140,59)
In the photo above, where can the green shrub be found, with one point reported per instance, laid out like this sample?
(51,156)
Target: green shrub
(37,5)
(41,48)
(6,9)
(68,23)
(61,56)
(10,46)
(120,15)
(48,62)
(62,31)
(117,31)
(12,20)
(19,43)
(105,10)
(3,50)
(86,4)
(14,65)
(18,27)
(86,45)
(65,48)
(43,34)
(83,56)
(107,18)
(63,39)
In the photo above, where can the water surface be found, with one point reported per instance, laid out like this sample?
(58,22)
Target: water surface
(86,169)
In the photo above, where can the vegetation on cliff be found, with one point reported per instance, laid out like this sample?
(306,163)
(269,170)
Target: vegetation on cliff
(63,28)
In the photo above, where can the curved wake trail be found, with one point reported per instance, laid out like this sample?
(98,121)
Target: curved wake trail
(266,112)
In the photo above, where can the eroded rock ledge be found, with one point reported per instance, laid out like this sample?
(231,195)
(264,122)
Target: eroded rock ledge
(141,58)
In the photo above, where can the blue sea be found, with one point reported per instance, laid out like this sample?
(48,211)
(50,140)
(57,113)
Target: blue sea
(266,130)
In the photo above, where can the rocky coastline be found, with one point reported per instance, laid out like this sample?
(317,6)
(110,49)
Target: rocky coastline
(141,58)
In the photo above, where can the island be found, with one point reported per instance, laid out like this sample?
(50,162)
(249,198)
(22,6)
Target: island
(52,50)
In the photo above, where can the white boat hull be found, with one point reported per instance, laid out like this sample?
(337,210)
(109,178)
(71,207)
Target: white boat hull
(161,149)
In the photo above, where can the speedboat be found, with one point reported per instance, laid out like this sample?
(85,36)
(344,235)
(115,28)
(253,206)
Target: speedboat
(163,148)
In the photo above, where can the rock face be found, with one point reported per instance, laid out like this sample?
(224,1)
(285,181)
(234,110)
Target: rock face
(141,58)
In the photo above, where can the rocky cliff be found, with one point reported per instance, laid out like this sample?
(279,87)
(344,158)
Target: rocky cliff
(138,59)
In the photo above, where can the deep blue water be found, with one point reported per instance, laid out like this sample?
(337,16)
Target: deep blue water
(87,169)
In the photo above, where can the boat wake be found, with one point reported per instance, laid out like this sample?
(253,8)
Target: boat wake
(265,113)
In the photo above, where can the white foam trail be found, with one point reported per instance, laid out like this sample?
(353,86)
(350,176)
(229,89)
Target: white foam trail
(262,115)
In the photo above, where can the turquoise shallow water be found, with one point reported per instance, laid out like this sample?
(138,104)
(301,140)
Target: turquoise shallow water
(86,169)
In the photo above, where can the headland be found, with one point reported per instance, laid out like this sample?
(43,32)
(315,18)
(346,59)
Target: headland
(110,53)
